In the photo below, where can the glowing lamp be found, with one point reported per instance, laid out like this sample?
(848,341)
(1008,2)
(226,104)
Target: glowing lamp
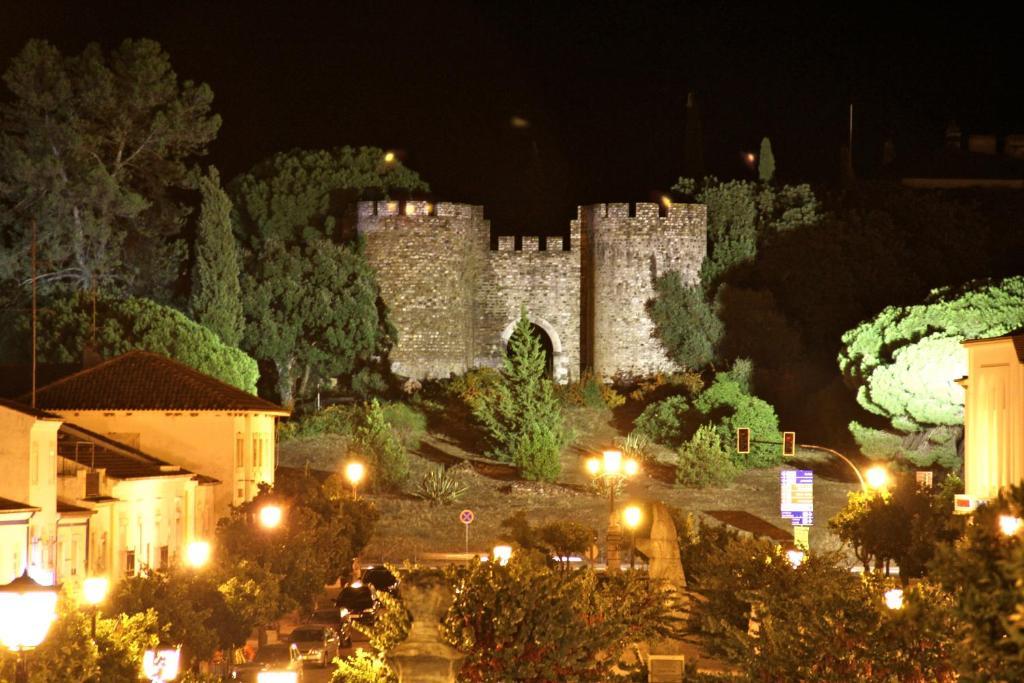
(612,462)
(632,516)
(94,589)
(630,467)
(197,554)
(593,466)
(877,477)
(666,201)
(354,472)
(1009,525)
(796,557)
(502,554)
(389,157)
(894,598)
(277,677)
(162,663)
(27,609)
(270,516)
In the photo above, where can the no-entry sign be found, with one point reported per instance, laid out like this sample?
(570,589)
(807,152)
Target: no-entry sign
(466,517)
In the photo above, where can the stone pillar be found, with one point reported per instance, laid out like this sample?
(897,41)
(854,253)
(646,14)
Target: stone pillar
(423,657)
(662,550)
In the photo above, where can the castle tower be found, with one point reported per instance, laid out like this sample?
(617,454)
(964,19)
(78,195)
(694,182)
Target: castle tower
(624,250)
(428,260)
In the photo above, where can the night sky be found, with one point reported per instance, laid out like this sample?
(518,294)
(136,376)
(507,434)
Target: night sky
(602,86)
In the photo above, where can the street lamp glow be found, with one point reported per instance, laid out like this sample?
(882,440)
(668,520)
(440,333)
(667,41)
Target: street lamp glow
(593,466)
(27,609)
(94,589)
(354,472)
(894,598)
(796,557)
(270,516)
(502,554)
(197,554)
(389,157)
(161,664)
(1009,525)
(630,467)
(877,477)
(612,462)
(632,515)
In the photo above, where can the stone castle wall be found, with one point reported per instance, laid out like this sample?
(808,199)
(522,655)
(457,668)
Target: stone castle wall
(454,300)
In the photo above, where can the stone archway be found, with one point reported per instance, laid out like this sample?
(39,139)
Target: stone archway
(559,372)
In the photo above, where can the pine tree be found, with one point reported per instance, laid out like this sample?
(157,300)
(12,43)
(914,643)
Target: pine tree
(522,415)
(216,296)
(766,162)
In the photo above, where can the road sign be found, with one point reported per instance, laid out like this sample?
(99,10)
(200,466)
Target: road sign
(796,499)
(467,517)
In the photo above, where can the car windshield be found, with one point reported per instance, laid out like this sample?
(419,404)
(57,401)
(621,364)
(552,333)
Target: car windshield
(306,634)
(274,654)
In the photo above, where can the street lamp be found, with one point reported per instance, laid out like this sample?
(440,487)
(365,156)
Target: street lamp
(894,598)
(161,664)
(27,609)
(1009,525)
(611,470)
(877,478)
(94,592)
(502,554)
(270,516)
(796,557)
(632,516)
(197,554)
(354,473)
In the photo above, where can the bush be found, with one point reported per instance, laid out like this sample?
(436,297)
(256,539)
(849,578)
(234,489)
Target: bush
(439,486)
(335,420)
(703,461)
(376,441)
(471,387)
(590,392)
(636,445)
(368,383)
(408,423)
(726,405)
(664,421)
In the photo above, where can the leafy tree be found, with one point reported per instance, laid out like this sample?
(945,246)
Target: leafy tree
(216,300)
(561,539)
(522,415)
(311,304)
(903,362)
(526,621)
(933,446)
(126,324)
(766,162)
(94,147)
(727,406)
(666,421)
(377,443)
(703,461)
(685,322)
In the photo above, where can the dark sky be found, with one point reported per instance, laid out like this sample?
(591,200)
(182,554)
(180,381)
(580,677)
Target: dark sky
(603,86)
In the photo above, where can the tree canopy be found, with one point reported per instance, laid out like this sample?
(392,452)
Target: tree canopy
(216,298)
(93,148)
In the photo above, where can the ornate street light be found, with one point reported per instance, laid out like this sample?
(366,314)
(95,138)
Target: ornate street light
(611,469)
(27,609)
(94,592)
(354,473)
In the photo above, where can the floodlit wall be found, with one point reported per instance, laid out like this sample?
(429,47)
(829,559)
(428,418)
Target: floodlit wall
(993,418)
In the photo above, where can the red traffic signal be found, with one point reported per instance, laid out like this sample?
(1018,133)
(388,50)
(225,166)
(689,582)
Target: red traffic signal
(743,440)
(788,444)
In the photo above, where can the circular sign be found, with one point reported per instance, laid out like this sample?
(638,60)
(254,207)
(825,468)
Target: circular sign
(466,516)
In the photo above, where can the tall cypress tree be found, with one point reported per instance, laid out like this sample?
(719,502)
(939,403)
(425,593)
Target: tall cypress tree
(216,299)
(766,162)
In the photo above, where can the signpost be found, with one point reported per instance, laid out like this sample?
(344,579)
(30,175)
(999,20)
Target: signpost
(467,517)
(797,503)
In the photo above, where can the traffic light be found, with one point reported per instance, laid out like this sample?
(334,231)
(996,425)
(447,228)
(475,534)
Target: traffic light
(743,440)
(788,444)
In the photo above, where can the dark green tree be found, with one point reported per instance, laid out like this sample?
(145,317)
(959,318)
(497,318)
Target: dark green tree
(522,415)
(766,162)
(216,299)
(376,441)
(94,147)
(685,322)
(126,324)
(311,303)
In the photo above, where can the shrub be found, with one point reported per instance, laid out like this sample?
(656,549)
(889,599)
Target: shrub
(439,486)
(591,392)
(337,420)
(472,386)
(408,423)
(368,383)
(664,421)
(726,405)
(636,445)
(376,441)
(703,461)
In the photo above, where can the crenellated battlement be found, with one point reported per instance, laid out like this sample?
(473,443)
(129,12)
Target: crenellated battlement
(418,208)
(688,217)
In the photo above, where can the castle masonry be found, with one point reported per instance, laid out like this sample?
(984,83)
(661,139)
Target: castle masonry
(455,301)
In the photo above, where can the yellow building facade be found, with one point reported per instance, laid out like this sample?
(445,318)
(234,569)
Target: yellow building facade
(993,415)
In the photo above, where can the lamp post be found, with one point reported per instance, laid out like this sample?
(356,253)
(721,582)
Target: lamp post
(354,473)
(611,470)
(27,609)
(94,592)
(632,516)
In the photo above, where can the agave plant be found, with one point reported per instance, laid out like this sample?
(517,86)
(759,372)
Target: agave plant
(440,487)
(636,445)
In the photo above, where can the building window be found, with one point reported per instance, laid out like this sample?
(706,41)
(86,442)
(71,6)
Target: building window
(129,563)
(165,556)
(239,451)
(92,484)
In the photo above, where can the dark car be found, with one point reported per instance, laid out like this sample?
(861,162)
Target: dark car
(317,643)
(330,616)
(356,605)
(380,579)
(281,659)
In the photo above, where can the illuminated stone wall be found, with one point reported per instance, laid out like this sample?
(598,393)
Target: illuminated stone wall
(454,300)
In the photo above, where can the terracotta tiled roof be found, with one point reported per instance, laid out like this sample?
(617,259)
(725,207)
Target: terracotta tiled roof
(28,410)
(89,449)
(140,380)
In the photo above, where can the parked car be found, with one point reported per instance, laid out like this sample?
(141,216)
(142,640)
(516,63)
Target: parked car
(356,605)
(316,643)
(379,578)
(330,616)
(276,662)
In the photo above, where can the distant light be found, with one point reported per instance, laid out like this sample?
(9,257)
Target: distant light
(354,472)
(796,557)
(356,584)
(270,516)
(632,515)
(750,157)
(197,554)
(894,598)
(612,462)
(94,589)
(631,467)
(519,122)
(593,466)
(666,201)
(502,554)
(877,477)
(1009,525)
(389,157)
(277,677)
(161,664)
